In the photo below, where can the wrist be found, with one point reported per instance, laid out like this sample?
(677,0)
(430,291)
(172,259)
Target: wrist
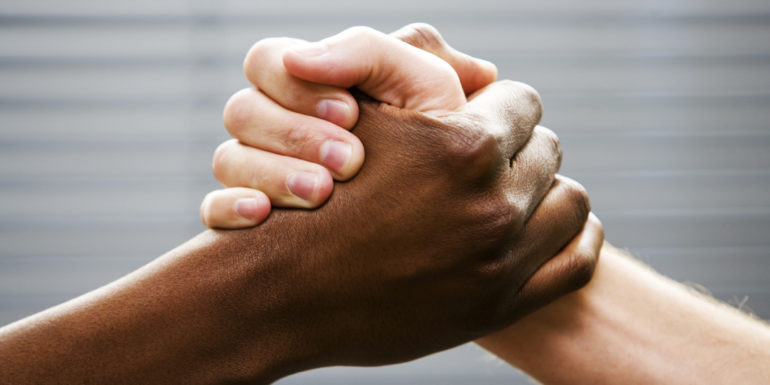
(565,341)
(632,325)
(234,304)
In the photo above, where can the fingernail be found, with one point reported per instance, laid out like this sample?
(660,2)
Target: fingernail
(310,49)
(246,207)
(334,111)
(302,184)
(335,154)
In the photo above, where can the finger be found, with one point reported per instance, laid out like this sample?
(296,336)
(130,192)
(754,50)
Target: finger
(534,168)
(474,73)
(381,66)
(264,68)
(234,208)
(569,270)
(557,219)
(289,182)
(258,121)
(516,108)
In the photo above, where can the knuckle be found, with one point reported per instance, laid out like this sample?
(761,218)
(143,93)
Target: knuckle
(579,269)
(261,49)
(238,112)
(494,222)
(502,219)
(530,94)
(578,197)
(594,221)
(222,156)
(251,61)
(529,102)
(359,32)
(517,218)
(474,152)
(205,209)
(423,36)
(553,141)
(490,270)
(297,139)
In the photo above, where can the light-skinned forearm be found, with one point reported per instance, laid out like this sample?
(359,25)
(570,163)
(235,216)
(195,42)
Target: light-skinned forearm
(631,325)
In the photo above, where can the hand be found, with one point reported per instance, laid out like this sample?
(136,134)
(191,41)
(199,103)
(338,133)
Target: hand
(347,60)
(285,125)
(422,250)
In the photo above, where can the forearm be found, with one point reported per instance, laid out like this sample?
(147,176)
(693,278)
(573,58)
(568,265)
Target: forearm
(162,324)
(631,325)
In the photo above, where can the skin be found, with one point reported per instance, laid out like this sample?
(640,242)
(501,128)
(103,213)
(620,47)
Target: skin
(425,249)
(281,125)
(630,324)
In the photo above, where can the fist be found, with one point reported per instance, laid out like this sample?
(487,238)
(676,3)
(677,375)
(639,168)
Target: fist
(425,249)
(292,126)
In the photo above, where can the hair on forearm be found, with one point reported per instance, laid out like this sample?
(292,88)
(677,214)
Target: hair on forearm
(698,290)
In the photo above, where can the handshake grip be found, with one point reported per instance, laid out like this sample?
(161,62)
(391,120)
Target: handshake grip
(431,245)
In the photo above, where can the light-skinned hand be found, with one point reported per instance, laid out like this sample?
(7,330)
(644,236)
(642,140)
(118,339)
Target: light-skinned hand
(291,129)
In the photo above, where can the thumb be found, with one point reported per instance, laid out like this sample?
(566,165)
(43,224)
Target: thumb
(474,73)
(385,68)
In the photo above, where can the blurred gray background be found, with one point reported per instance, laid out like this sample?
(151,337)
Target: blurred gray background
(110,112)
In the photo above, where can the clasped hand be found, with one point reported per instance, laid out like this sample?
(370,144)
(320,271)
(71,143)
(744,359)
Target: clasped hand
(455,226)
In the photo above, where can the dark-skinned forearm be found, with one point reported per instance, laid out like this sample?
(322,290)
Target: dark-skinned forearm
(164,323)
